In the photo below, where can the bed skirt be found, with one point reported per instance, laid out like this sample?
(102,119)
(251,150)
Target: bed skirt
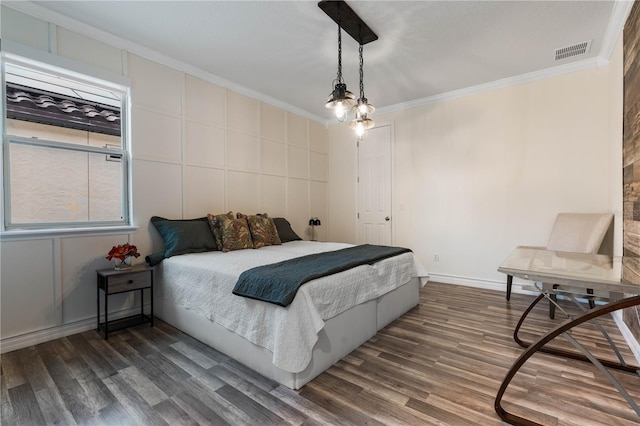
(340,336)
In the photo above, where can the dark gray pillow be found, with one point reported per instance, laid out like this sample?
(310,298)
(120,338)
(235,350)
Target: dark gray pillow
(185,235)
(285,232)
(154,258)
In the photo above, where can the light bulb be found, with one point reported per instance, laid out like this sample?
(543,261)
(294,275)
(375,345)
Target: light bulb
(362,108)
(340,110)
(359,129)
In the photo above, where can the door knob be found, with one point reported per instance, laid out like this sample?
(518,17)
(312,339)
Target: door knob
(387,218)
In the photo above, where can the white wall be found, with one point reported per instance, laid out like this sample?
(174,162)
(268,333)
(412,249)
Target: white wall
(478,175)
(197,148)
(473,176)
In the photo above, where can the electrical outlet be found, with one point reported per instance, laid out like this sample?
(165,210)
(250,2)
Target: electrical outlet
(436,257)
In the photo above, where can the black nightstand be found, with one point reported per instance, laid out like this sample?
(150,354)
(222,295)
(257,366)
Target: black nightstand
(112,281)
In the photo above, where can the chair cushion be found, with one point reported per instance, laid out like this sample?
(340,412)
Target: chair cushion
(579,232)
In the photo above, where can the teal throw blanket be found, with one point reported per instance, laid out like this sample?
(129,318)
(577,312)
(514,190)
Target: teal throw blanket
(279,282)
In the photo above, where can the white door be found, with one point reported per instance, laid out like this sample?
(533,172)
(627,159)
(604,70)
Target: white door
(374,187)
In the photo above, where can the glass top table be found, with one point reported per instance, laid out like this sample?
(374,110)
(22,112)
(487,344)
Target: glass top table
(570,269)
(558,271)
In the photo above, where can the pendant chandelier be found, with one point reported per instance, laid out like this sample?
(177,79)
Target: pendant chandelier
(361,110)
(341,100)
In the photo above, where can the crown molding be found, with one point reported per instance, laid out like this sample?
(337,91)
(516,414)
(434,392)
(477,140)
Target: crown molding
(619,15)
(494,85)
(71,24)
(617,20)
(621,10)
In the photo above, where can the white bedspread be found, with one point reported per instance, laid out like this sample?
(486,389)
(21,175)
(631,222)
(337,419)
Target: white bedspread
(202,282)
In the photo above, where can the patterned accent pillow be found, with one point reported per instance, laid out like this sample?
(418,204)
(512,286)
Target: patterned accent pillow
(263,230)
(215,223)
(236,235)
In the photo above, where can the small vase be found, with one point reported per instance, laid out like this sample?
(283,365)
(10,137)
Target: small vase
(122,265)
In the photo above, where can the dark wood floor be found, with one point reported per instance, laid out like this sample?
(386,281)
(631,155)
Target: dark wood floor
(441,363)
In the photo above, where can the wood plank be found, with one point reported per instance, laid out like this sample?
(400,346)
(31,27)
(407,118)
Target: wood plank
(134,404)
(115,414)
(188,365)
(256,411)
(309,407)
(173,414)
(71,392)
(139,382)
(13,373)
(194,355)
(210,405)
(368,403)
(437,414)
(631,157)
(97,395)
(152,369)
(264,398)
(368,385)
(45,390)
(25,405)
(198,410)
(441,363)
(96,364)
(7,415)
(106,351)
(349,414)
(53,408)
(248,374)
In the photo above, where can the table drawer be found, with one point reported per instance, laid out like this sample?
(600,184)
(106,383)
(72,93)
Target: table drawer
(128,282)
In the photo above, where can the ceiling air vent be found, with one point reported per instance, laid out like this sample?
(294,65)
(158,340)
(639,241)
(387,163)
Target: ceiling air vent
(573,50)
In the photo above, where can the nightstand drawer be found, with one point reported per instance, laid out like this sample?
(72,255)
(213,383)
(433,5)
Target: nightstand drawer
(139,281)
(131,281)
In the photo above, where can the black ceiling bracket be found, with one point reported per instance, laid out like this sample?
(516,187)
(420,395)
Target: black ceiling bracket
(348,20)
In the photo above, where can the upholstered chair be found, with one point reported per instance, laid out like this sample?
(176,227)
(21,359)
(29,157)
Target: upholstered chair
(578,233)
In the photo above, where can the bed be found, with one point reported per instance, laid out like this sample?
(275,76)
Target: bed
(328,318)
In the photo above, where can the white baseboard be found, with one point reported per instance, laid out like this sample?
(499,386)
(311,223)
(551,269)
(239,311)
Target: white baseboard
(18,342)
(634,345)
(28,339)
(24,340)
(480,283)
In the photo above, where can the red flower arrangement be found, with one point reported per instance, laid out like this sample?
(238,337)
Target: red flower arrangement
(122,252)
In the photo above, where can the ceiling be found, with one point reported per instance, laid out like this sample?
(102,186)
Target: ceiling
(286,51)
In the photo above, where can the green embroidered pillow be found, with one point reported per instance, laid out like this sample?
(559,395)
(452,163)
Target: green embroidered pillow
(263,230)
(215,223)
(235,235)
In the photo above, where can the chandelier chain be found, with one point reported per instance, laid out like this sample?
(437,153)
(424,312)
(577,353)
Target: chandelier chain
(339,54)
(361,74)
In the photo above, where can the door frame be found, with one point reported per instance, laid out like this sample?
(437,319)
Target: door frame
(392,183)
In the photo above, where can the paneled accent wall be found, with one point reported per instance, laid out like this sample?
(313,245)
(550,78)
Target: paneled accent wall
(631,161)
(218,150)
(197,148)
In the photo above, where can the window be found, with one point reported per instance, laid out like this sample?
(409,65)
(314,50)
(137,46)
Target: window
(65,157)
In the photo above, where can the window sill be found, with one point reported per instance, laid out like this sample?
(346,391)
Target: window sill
(50,233)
